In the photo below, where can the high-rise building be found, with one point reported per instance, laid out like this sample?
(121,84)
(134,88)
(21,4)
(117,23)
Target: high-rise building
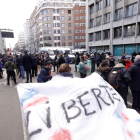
(113,25)
(79,16)
(21,41)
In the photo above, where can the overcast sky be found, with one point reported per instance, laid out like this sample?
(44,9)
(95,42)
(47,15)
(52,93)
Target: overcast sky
(13,15)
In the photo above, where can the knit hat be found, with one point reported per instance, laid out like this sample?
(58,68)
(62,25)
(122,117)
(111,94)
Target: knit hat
(137,58)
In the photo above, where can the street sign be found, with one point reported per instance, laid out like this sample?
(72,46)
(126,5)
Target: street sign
(7,34)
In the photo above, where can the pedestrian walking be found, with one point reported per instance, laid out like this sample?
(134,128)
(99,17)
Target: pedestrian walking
(67,59)
(77,60)
(27,63)
(61,60)
(55,62)
(135,83)
(34,66)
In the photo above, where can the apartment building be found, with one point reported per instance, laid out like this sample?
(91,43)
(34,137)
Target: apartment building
(21,41)
(79,16)
(55,23)
(113,25)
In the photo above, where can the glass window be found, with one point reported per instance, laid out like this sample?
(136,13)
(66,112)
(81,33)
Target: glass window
(62,12)
(55,10)
(99,5)
(69,18)
(69,37)
(129,11)
(76,11)
(63,44)
(69,11)
(63,37)
(135,9)
(56,17)
(91,23)
(62,4)
(118,14)
(130,30)
(107,18)
(98,36)
(91,37)
(98,21)
(63,31)
(63,24)
(106,34)
(47,38)
(48,4)
(62,18)
(44,4)
(69,31)
(56,24)
(118,32)
(56,37)
(117,0)
(57,31)
(91,8)
(69,24)
(69,5)
(77,24)
(107,3)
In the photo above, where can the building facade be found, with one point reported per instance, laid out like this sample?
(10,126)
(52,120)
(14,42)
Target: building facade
(113,25)
(79,16)
(21,41)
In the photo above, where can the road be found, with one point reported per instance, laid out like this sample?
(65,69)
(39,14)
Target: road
(12,126)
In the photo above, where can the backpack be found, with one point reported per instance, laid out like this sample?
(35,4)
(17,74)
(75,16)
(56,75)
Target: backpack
(114,78)
(39,78)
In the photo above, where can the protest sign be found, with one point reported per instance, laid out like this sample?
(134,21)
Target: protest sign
(77,109)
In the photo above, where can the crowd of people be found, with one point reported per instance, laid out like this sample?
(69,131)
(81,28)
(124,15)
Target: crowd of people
(121,76)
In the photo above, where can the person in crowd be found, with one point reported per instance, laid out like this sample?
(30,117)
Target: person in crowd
(124,77)
(67,59)
(27,63)
(77,60)
(44,75)
(128,62)
(55,63)
(34,66)
(82,68)
(97,60)
(47,58)
(42,60)
(123,57)
(10,66)
(1,66)
(38,64)
(111,61)
(133,56)
(92,64)
(16,64)
(20,63)
(64,71)
(135,83)
(104,69)
(61,60)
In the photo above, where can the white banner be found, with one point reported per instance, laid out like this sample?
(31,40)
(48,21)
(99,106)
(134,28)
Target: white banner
(77,109)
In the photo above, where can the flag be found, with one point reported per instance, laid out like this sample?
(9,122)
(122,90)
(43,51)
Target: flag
(10,49)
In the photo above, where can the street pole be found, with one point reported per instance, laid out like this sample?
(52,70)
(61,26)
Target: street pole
(1,43)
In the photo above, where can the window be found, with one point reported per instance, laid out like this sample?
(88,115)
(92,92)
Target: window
(69,18)
(107,18)
(91,24)
(48,4)
(40,39)
(56,17)
(57,31)
(45,12)
(62,12)
(106,34)
(70,44)
(63,37)
(91,9)
(40,20)
(40,14)
(76,18)
(47,44)
(69,5)
(56,37)
(131,10)
(82,43)
(55,10)
(56,24)
(77,37)
(47,38)
(117,0)
(117,32)
(62,4)
(63,31)
(82,31)
(69,37)
(44,4)
(98,20)
(91,37)
(56,4)
(69,31)
(82,24)
(76,11)
(130,30)
(46,25)
(77,31)
(82,37)
(46,18)
(98,36)
(69,24)
(99,5)
(76,24)
(62,18)
(107,3)
(69,11)
(118,14)
(47,31)
(76,4)
(63,43)
(63,24)
(82,11)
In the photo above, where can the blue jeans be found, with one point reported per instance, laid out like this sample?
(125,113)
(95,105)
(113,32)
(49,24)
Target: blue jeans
(22,71)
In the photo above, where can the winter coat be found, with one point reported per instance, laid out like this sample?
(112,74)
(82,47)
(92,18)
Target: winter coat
(125,79)
(47,59)
(98,60)
(135,74)
(104,72)
(128,64)
(77,59)
(67,60)
(61,60)
(1,66)
(45,75)
(111,64)
(34,61)
(92,65)
(27,62)
(38,61)
(19,61)
(82,68)
(9,65)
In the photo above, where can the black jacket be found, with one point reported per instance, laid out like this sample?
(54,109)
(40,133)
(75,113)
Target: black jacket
(19,61)
(34,61)
(135,74)
(61,60)
(47,59)
(45,75)
(27,62)
(77,59)
(111,64)
(92,65)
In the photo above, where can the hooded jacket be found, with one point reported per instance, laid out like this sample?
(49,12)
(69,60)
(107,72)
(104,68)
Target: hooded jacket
(9,65)
(135,74)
